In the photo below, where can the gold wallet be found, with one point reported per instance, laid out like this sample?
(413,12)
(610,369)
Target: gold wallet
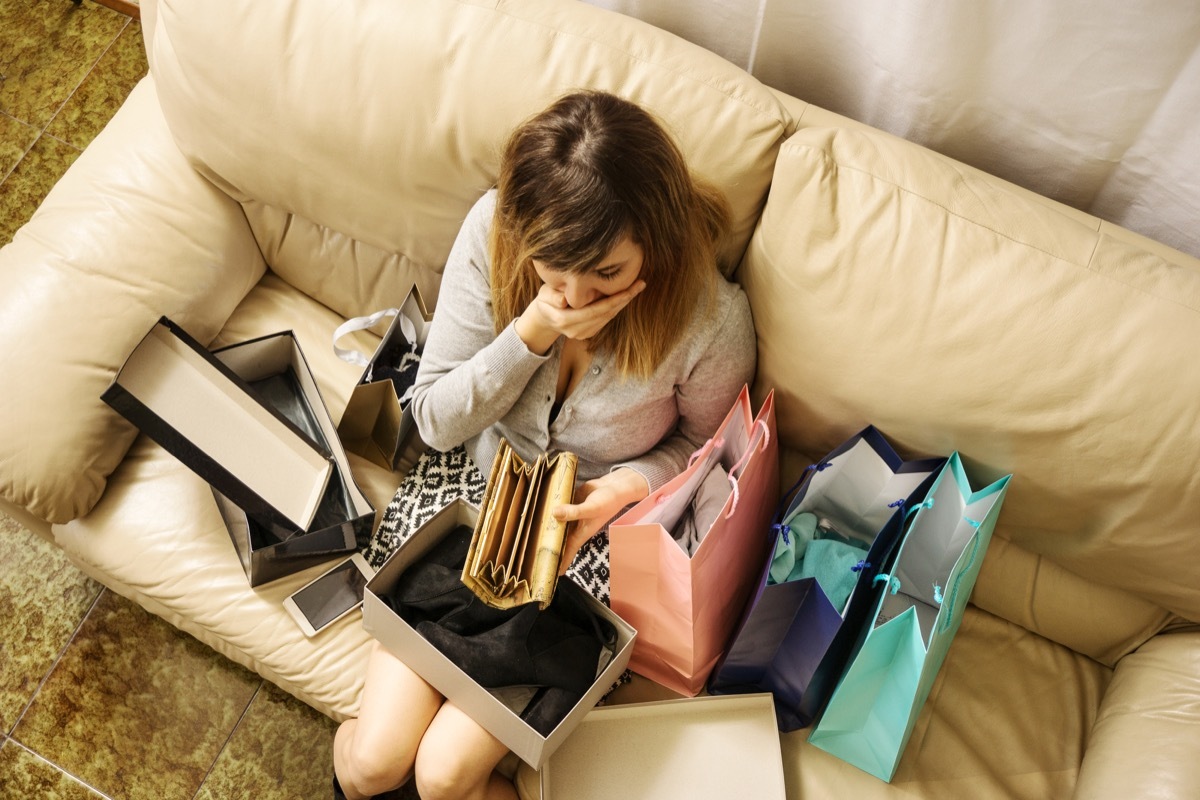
(517,544)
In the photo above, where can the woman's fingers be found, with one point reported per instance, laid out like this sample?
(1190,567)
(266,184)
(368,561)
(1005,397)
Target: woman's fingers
(576,538)
(597,502)
(587,321)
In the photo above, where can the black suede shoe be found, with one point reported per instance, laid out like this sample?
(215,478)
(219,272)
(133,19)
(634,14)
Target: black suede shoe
(431,590)
(548,708)
(559,646)
(557,649)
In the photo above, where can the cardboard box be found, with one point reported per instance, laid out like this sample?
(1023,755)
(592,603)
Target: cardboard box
(703,748)
(249,420)
(427,661)
(375,421)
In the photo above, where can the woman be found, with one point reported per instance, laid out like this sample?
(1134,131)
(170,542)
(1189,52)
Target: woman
(580,310)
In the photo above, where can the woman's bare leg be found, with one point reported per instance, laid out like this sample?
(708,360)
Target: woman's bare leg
(457,760)
(376,752)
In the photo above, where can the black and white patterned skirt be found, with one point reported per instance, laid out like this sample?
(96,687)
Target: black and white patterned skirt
(438,479)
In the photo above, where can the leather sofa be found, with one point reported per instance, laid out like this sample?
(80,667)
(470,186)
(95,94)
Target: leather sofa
(292,164)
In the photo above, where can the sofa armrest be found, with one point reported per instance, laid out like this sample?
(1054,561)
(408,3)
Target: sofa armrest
(130,233)
(1147,734)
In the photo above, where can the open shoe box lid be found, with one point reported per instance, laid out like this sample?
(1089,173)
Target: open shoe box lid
(702,748)
(201,412)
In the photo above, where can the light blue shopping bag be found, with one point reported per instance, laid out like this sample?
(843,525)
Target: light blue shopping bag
(920,606)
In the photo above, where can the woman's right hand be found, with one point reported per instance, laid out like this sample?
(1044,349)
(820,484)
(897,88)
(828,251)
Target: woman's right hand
(597,502)
(550,316)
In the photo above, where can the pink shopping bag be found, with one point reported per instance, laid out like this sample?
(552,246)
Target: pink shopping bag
(685,606)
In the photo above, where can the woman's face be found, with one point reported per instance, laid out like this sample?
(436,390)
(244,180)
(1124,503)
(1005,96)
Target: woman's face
(614,273)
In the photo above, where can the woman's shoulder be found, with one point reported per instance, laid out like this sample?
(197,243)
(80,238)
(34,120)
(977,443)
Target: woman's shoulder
(479,218)
(469,254)
(486,204)
(731,307)
(729,292)
(725,323)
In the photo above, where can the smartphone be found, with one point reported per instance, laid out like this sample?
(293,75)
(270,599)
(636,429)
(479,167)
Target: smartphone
(331,596)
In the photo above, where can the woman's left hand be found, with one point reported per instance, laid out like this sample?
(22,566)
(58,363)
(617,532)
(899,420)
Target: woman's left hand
(596,502)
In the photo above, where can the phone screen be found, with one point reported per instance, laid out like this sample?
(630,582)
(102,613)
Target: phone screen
(326,598)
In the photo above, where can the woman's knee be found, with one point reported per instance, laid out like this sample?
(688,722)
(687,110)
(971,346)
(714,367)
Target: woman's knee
(444,775)
(447,773)
(378,749)
(456,757)
(374,764)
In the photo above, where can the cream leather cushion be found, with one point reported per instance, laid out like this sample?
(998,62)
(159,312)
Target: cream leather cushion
(129,234)
(360,140)
(891,286)
(1151,702)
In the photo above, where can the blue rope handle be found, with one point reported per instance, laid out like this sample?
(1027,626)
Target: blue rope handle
(962,573)
(892,582)
(926,503)
(781,528)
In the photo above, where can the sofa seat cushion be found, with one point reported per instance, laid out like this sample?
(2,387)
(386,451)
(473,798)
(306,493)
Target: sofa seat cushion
(1009,717)
(157,538)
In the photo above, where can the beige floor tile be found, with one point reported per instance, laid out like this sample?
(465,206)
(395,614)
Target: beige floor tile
(15,138)
(25,775)
(32,179)
(43,598)
(49,48)
(134,707)
(104,89)
(281,750)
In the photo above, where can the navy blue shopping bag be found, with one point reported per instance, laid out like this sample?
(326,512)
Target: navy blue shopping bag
(799,628)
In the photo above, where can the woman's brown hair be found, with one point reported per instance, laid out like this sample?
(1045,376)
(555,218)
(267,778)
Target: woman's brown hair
(576,179)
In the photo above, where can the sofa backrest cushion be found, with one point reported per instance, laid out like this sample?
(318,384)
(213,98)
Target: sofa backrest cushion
(378,123)
(893,286)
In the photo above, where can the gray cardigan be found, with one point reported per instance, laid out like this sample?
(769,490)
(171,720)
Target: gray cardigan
(474,386)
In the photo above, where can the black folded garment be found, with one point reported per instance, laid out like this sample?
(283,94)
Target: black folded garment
(397,361)
(557,649)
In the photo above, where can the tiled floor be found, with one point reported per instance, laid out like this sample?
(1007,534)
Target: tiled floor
(99,699)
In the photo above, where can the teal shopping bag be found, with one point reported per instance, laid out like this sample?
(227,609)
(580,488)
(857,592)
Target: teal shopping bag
(920,606)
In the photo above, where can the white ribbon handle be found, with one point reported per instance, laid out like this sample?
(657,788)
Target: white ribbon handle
(363,323)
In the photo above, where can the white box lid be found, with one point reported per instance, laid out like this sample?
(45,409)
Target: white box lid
(702,748)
